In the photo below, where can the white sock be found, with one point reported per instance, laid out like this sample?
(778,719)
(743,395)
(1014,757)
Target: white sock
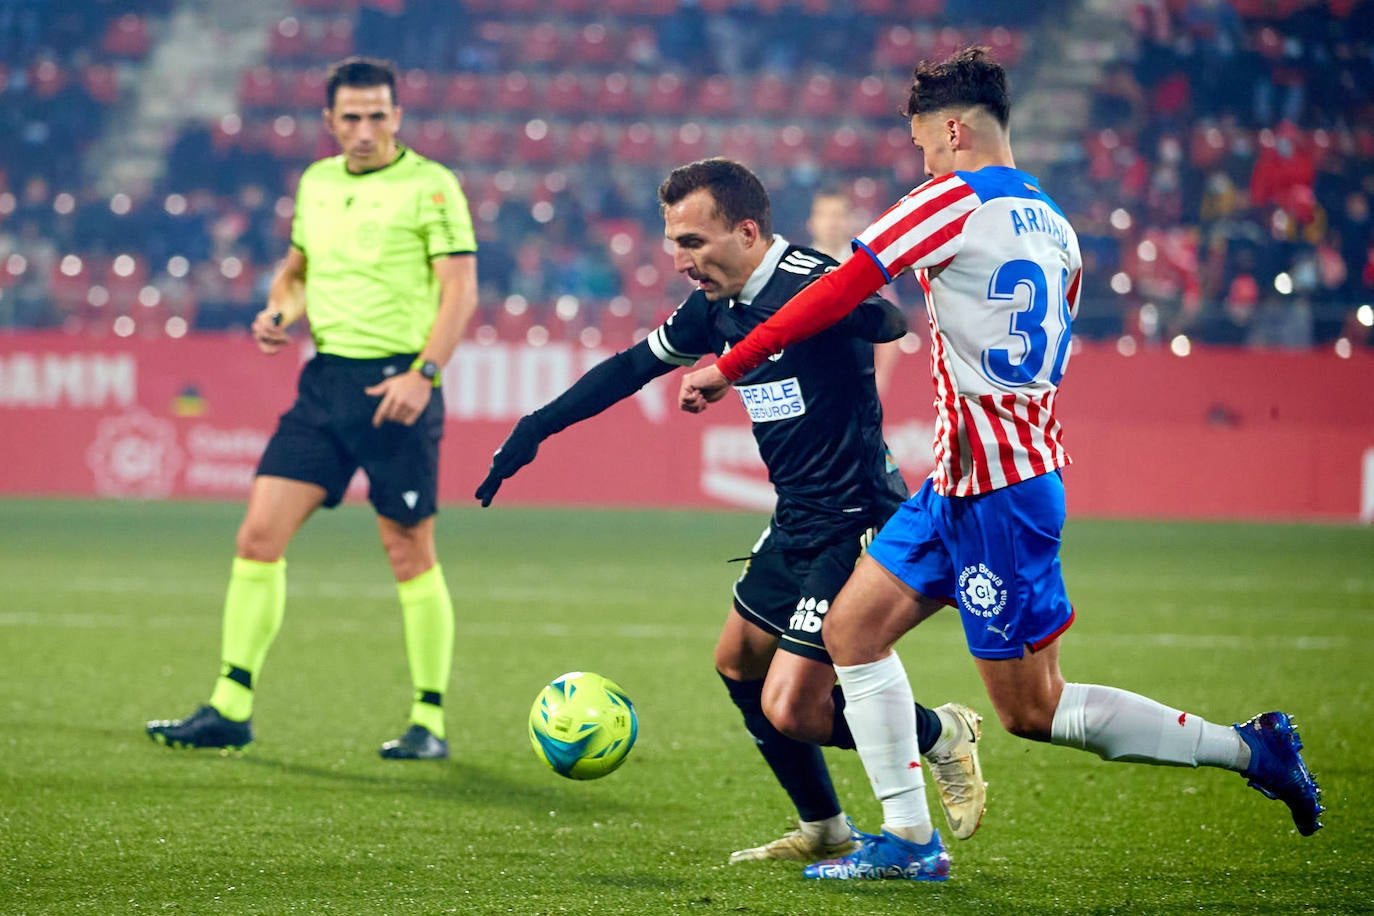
(881,714)
(830,832)
(1119,725)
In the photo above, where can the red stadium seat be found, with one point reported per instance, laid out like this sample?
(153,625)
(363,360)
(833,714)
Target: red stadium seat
(466,92)
(819,97)
(596,46)
(716,97)
(584,141)
(1006,45)
(537,143)
(844,149)
(540,45)
(948,42)
(127,36)
(790,147)
(308,89)
(741,143)
(690,143)
(666,95)
(566,94)
(638,145)
(484,142)
(616,95)
(417,90)
(101,82)
(260,87)
(896,49)
(434,139)
(515,93)
(287,40)
(873,98)
(771,96)
(335,39)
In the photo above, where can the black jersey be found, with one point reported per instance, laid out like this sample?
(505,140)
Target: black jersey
(814,407)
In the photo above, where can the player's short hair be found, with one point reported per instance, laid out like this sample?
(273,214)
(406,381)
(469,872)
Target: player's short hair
(738,193)
(970,77)
(360,73)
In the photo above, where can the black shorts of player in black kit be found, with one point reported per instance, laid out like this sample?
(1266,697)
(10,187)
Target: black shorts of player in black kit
(787,592)
(328,434)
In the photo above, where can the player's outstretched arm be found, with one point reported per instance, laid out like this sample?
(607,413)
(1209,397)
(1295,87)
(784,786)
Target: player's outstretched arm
(609,381)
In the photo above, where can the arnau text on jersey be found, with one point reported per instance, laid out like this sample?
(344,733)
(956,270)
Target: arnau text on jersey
(1040,219)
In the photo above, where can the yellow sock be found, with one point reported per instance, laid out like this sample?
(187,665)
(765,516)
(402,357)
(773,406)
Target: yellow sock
(428,614)
(254,605)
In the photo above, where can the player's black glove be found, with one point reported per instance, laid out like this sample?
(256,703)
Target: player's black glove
(517,451)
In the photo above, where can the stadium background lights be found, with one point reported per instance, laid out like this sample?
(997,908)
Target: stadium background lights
(123,265)
(175,204)
(178,266)
(504,181)
(536,129)
(97,297)
(1146,251)
(1126,345)
(622,243)
(149,297)
(63,204)
(1283,284)
(231,124)
(284,208)
(1120,219)
(16,264)
(486,335)
(7,203)
(124,326)
(121,204)
(516,304)
(231,268)
(620,306)
(1343,348)
(910,343)
(542,212)
(284,125)
(488,210)
(567,307)
(70,265)
(1149,319)
(176,326)
(1365,315)
(1181,345)
(646,275)
(589,337)
(1121,283)
(556,181)
(537,335)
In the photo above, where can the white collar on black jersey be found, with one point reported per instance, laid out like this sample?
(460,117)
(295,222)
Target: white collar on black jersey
(763,273)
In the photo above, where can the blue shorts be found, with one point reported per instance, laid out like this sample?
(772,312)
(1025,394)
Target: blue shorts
(995,556)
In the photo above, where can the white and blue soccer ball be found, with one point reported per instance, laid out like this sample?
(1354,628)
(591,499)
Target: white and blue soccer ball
(583,725)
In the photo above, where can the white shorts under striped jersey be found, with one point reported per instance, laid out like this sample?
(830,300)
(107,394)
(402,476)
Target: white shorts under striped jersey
(1000,267)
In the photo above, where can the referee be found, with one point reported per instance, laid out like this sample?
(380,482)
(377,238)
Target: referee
(383,263)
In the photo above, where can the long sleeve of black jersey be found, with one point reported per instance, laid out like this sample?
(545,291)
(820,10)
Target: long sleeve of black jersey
(876,320)
(609,381)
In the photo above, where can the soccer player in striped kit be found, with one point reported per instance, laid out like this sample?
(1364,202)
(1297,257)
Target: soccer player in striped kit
(1000,267)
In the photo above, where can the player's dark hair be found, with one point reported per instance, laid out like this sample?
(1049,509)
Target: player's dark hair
(970,77)
(360,73)
(738,193)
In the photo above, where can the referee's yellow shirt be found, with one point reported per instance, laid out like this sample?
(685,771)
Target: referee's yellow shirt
(368,241)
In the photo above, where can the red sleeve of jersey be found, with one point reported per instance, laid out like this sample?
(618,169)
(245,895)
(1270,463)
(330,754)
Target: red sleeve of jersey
(806,314)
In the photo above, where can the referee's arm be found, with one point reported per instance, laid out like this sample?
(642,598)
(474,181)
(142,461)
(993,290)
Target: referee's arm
(457,275)
(285,303)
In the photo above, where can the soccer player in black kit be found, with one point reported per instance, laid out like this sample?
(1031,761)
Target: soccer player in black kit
(818,425)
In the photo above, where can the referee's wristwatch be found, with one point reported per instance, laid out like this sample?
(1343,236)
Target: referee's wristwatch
(427,368)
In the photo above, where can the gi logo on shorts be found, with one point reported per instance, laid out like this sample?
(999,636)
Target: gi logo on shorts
(981,591)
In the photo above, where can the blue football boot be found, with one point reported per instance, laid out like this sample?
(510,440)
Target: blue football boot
(1277,769)
(885,855)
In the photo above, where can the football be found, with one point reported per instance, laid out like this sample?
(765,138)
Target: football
(583,725)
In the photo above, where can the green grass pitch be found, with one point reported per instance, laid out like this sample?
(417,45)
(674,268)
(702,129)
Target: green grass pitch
(109,615)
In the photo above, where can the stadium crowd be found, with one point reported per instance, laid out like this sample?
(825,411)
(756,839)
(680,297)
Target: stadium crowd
(1221,190)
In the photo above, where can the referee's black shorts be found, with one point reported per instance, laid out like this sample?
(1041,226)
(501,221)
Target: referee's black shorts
(327,435)
(787,592)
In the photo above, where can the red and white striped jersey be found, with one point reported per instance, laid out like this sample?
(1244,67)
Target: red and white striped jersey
(1000,267)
